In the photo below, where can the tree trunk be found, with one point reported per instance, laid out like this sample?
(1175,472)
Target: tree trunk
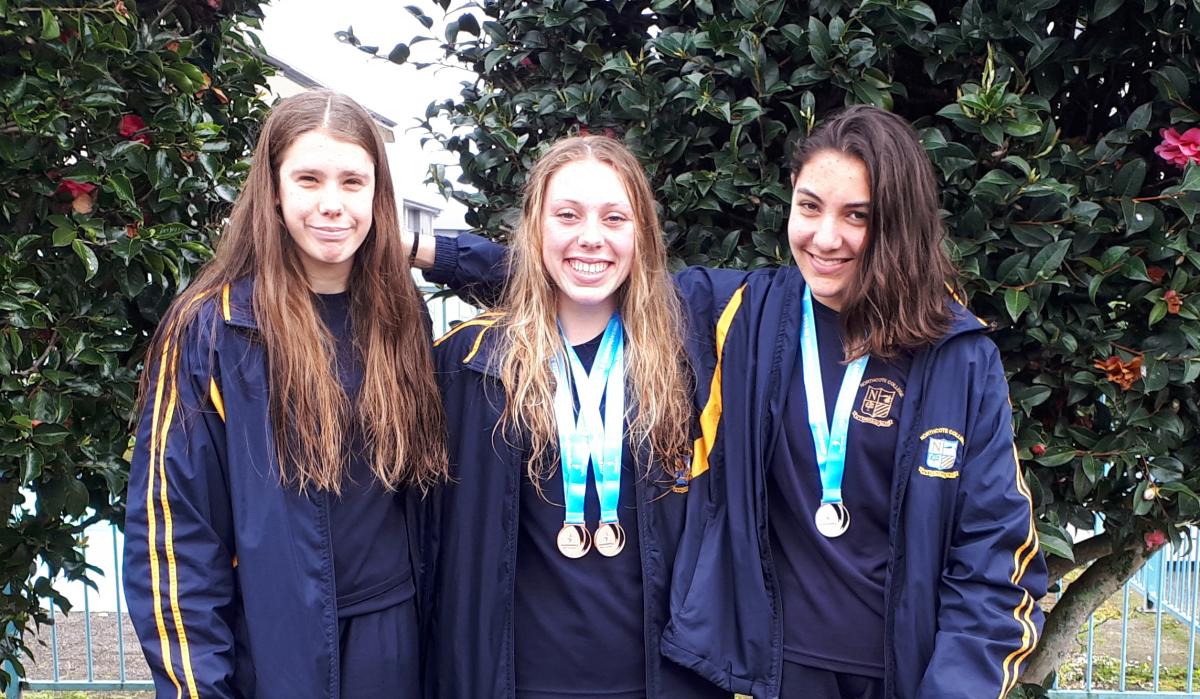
(1099,582)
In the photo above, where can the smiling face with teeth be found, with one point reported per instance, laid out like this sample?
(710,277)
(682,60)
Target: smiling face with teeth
(827,227)
(588,244)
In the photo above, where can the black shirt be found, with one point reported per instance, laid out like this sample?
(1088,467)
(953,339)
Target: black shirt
(367,528)
(579,623)
(832,589)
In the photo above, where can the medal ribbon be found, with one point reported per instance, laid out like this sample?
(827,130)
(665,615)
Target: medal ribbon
(830,440)
(585,436)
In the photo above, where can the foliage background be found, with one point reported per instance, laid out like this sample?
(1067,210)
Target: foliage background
(1075,238)
(123,129)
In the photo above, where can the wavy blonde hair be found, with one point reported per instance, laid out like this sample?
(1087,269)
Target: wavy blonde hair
(657,378)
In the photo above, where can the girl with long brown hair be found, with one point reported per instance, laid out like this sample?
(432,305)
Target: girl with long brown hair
(869,533)
(569,410)
(288,406)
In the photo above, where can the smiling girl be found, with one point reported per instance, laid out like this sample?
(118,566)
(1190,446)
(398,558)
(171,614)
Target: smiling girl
(869,534)
(569,410)
(288,402)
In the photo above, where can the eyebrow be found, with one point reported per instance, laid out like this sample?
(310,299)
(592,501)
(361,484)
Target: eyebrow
(607,204)
(319,171)
(848,205)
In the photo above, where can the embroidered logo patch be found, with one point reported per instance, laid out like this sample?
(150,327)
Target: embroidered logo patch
(941,453)
(879,398)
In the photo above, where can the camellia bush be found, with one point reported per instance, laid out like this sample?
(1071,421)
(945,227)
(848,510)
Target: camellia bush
(1067,137)
(123,131)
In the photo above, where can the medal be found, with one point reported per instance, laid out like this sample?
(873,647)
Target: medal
(574,541)
(585,439)
(832,518)
(610,539)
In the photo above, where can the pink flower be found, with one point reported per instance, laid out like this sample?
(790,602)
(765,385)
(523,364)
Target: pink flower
(1179,149)
(131,127)
(1154,539)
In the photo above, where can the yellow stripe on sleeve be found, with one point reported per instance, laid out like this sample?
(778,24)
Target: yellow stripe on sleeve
(1028,639)
(169,534)
(157,449)
(215,394)
(710,417)
(1020,564)
(225,303)
(152,528)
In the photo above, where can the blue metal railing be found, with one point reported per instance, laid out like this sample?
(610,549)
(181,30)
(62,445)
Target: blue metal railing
(1169,586)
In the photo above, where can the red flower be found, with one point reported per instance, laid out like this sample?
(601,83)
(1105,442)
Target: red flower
(1156,274)
(132,127)
(67,34)
(1179,149)
(1154,539)
(76,189)
(131,231)
(1038,449)
(82,200)
(1174,301)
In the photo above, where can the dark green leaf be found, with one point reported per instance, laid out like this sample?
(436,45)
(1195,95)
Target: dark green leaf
(123,189)
(1140,118)
(1016,301)
(417,12)
(1129,179)
(85,254)
(399,53)
(1104,8)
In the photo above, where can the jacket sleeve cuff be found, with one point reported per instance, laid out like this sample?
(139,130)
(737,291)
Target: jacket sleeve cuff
(445,260)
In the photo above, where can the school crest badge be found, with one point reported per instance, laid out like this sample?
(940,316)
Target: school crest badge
(941,453)
(877,403)
(879,399)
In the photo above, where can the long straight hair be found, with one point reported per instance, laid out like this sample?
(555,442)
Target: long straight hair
(398,410)
(657,379)
(897,301)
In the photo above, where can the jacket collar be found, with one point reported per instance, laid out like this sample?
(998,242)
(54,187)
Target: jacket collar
(236,303)
(962,321)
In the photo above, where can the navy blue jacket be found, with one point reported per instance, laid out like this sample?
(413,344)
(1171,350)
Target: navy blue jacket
(228,575)
(965,569)
(470,544)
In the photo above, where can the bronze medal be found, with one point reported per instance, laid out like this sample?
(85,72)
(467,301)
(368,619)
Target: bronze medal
(610,539)
(574,540)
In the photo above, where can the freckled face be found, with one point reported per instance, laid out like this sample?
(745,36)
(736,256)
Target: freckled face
(827,227)
(588,237)
(326,194)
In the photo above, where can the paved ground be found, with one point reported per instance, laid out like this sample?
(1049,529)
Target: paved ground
(71,635)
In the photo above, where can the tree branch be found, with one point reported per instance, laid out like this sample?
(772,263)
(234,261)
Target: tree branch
(162,14)
(1085,551)
(1099,582)
(37,363)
